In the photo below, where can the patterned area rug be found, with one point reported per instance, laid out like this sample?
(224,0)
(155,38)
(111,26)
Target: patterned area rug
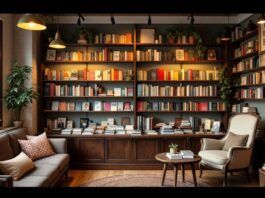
(143,180)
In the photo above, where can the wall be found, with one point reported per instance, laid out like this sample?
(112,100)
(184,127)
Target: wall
(7,59)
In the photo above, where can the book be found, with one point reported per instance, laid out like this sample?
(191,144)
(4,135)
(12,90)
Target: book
(74,74)
(55,105)
(110,121)
(120,106)
(78,106)
(117,91)
(187,154)
(97,106)
(114,106)
(174,156)
(85,106)
(147,35)
(179,54)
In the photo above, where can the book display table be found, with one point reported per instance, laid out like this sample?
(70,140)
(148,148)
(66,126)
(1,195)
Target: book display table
(175,163)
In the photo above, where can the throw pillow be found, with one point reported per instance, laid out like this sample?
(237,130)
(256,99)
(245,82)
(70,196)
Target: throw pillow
(234,140)
(36,147)
(17,166)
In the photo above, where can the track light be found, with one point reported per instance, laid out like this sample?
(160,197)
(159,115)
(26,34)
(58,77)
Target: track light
(261,19)
(80,17)
(191,18)
(112,20)
(149,20)
(31,22)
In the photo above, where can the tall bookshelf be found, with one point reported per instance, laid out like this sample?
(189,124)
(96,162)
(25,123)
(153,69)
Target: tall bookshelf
(135,65)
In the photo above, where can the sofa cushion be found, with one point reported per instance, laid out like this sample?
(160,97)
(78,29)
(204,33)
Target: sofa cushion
(234,140)
(214,156)
(36,147)
(17,166)
(32,181)
(6,151)
(14,136)
(58,159)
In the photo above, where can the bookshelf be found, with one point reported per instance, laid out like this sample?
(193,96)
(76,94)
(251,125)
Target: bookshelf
(103,62)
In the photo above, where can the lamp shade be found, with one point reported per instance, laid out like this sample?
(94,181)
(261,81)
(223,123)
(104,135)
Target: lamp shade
(57,42)
(226,34)
(261,19)
(31,22)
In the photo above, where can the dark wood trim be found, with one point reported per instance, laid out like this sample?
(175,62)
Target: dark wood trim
(1,73)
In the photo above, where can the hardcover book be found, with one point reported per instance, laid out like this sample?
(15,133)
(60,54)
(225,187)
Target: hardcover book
(71,106)
(78,106)
(55,105)
(117,91)
(114,106)
(180,54)
(120,106)
(85,106)
(97,106)
(74,74)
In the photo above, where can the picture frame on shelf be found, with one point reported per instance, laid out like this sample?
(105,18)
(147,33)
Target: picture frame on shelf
(216,127)
(61,122)
(211,54)
(147,35)
(51,55)
(125,121)
(69,124)
(180,55)
(84,122)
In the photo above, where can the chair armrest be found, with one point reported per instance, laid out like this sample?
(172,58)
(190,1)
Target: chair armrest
(239,157)
(59,145)
(6,181)
(211,144)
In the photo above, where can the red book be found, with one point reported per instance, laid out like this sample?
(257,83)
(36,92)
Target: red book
(107,106)
(203,106)
(190,74)
(160,74)
(140,105)
(92,75)
(62,106)
(52,87)
(116,74)
(168,75)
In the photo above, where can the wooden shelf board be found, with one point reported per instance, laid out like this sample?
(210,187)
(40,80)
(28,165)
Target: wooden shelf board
(86,62)
(175,45)
(183,62)
(246,56)
(89,81)
(250,70)
(98,45)
(88,97)
(180,111)
(178,81)
(256,85)
(178,97)
(50,111)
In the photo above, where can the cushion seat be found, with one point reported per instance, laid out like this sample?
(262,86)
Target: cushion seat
(59,160)
(214,156)
(31,181)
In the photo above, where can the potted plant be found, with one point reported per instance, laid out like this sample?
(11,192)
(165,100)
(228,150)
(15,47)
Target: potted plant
(184,37)
(225,87)
(171,35)
(17,95)
(200,49)
(190,33)
(85,35)
(173,148)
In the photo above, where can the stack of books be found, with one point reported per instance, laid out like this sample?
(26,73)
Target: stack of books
(67,131)
(120,130)
(167,129)
(110,130)
(129,129)
(185,126)
(150,132)
(136,132)
(89,131)
(187,154)
(174,156)
(77,131)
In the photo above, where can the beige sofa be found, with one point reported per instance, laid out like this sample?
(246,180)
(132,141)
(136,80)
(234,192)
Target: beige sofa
(49,171)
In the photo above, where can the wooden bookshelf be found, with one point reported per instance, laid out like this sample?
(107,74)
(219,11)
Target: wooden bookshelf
(181,111)
(254,85)
(184,62)
(90,97)
(261,68)
(246,56)
(246,37)
(86,62)
(181,97)
(178,81)
(50,111)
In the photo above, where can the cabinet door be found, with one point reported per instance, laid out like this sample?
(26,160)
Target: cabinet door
(145,150)
(181,142)
(90,149)
(118,150)
(72,149)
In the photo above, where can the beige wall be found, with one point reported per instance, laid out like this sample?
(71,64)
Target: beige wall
(7,59)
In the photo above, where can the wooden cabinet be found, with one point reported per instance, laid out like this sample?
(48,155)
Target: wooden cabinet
(262,178)
(125,151)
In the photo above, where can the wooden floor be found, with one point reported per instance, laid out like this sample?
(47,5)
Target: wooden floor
(215,178)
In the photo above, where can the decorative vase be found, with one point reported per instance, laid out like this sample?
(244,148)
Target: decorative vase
(17,123)
(171,40)
(173,150)
(191,40)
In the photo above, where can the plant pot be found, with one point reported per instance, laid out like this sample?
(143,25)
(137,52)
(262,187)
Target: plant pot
(173,150)
(82,36)
(171,40)
(191,40)
(184,39)
(17,123)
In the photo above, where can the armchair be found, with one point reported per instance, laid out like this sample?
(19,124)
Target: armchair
(236,158)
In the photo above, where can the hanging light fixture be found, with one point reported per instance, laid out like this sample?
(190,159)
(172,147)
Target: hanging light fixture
(261,19)
(31,22)
(57,43)
(226,33)
(149,19)
(112,20)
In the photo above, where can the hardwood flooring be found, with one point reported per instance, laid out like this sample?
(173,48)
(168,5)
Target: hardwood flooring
(214,178)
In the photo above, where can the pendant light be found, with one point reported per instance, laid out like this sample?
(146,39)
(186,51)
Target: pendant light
(226,33)
(57,43)
(261,19)
(31,22)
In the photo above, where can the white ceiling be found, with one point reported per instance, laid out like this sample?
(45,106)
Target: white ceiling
(156,19)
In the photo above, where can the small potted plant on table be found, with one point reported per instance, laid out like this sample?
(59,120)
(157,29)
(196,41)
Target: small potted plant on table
(173,148)
(17,95)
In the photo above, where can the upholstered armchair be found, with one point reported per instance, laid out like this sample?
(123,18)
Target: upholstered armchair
(233,158)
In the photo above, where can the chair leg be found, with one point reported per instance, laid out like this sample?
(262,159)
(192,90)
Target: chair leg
(247,174)
(200,170)
(225,179)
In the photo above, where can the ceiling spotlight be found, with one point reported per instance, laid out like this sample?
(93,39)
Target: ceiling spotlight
(149,20)
(80,17)
(112,20)
(261,19)
(31,22)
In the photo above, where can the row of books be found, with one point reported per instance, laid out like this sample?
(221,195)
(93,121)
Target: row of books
(236,33)
(52,89)
(88,106)
(156,55)
(53,55)
(182,90)
(246,64)
(113,38)
(180,106)
(182,74)
(246,48)
(85,74)
(108,55)
(144,123)
(253,78)
(251,93)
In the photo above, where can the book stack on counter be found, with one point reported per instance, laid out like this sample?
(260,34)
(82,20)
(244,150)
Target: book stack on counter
(187,154)
(77,131)
(120,130)
(185,126)
(129,129)
(166,130)
(89,131)
(136,132)
(150,132)
(66,131)
(174,156)
(100,130)
(110,130)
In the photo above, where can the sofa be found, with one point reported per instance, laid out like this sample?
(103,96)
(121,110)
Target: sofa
(49,171)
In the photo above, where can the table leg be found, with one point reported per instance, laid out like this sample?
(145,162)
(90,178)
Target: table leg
(175,174)
(183,172)
(164,173)
(193,174)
